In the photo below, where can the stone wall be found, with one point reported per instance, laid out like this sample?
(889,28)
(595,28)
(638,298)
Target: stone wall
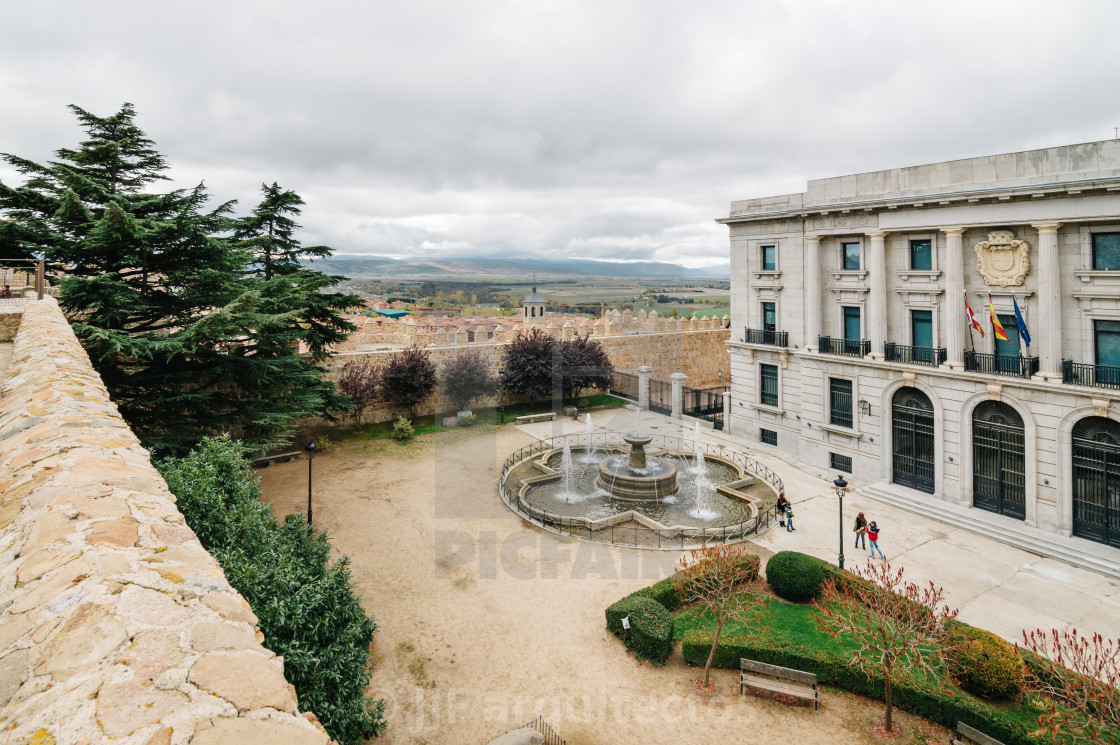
(9,322)
(115,624)
(700,354)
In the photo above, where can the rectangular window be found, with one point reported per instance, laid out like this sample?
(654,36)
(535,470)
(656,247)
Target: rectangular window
(1107,335)
(840,402)
(921,324)
(769,387)
(769,317)
(851,256)
(768,436)
(840,462)
(1106,250)
(851,324)
(769,258)
(921,254)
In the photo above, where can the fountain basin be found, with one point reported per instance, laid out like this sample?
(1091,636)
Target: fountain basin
(639,476)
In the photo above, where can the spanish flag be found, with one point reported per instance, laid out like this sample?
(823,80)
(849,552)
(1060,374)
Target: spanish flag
(997,327)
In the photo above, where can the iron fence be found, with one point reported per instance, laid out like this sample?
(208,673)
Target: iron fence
(1001,364)
(18,279)
(624,385)
(1098,376)
(846,347)
(638,536)
(705,403)
(550,735)
(932,356)
(767,337)
(661,396)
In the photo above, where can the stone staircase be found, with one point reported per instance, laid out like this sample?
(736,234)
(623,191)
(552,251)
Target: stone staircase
(1075,551)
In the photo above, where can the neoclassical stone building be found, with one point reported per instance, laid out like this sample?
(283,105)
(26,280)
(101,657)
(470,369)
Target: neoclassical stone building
(851,346)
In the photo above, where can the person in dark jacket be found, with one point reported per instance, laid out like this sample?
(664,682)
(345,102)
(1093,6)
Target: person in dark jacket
(860,530)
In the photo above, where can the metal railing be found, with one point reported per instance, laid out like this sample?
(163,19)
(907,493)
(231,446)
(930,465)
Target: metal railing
(661,396)
(932,356)
(624,385)
(765,336)
(705,403)
(846,347)
(1000,364)
(1097,376)
(17,278)
(639,536)
(550,735)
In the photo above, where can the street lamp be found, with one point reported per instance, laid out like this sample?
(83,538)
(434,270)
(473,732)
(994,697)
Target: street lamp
(719,372)
(502,394)
(841,489)
(310,448)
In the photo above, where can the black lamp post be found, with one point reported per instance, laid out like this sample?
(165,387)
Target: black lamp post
(502,395)
(841,488)
(310,448)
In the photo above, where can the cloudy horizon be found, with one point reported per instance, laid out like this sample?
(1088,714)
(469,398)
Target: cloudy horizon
(607,130)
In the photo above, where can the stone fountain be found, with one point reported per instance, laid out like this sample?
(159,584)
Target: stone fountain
(638,476)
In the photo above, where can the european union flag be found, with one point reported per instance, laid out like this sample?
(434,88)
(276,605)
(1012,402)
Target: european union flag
(1021,323)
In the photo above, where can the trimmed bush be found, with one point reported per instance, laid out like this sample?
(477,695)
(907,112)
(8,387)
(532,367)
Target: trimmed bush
(305,605)
(922,698)
(650,636)
(402,429)
(797,577)
(985,665)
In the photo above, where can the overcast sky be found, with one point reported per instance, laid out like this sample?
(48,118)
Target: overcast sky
(598,129)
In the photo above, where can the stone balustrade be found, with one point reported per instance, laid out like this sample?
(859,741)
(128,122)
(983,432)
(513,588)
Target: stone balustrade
(115,624)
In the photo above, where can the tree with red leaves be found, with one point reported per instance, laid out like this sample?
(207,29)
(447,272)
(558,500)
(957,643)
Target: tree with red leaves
(408,378)
(1078,682)
(585,365)
(722,580)
(898,627)
(359,382)
(531,362)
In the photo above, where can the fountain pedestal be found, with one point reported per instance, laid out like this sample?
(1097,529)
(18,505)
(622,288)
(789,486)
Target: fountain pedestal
(638,477)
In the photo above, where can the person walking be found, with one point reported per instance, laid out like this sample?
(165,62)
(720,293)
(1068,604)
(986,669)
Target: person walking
(873,536)
(861,530)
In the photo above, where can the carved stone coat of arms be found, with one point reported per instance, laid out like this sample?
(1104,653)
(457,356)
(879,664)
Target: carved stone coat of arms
(1003,260)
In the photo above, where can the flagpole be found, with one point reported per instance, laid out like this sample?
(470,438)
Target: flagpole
(971,327)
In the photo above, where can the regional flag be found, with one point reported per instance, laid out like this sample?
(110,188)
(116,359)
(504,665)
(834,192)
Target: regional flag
(997,327)
(972,318)
(1021,323)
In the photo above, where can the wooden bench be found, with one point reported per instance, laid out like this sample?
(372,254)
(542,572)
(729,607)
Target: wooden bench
(965,733)
(527,418)
(778,679)
(279,458)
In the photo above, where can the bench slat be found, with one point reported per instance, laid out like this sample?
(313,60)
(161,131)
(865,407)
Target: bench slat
(779,686)
(780,672)
(976,735)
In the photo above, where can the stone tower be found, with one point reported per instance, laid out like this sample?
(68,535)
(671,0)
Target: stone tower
(533,307)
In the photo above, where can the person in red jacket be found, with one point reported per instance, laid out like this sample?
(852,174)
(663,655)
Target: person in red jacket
(873,538)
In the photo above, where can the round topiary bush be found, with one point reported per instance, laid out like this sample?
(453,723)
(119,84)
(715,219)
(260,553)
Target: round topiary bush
(797,577)
(985,664)
(650,635)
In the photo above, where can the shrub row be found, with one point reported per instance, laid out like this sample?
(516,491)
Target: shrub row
(305,605)
(919,697)
(650,636)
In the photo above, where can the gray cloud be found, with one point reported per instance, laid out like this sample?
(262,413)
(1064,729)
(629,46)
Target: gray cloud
(603,129)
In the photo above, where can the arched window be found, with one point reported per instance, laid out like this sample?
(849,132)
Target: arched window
(998,461)
(912,461)
(1095,443)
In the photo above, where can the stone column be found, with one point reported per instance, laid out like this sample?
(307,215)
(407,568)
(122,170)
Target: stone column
(812,298)
(877,292)
(678,379)
(1048,326)
(644,373)
(955,317)
(727,412)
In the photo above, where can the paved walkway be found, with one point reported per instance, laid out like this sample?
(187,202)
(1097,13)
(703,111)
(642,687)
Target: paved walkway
(995,586)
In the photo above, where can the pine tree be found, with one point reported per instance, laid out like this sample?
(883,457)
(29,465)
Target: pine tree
(185,343)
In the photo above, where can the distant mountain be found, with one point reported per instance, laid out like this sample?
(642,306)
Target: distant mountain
(358,267)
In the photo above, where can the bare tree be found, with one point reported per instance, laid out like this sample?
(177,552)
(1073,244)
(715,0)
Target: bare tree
(1078,682)
(359,382)
(723,580)
(899,628)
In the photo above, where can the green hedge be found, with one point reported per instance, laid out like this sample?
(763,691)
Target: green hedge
(650,635)
(922,698)
(797,577)
(305,605)
(985,664)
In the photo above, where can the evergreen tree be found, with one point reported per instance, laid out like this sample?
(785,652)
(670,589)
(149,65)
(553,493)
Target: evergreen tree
(185,343)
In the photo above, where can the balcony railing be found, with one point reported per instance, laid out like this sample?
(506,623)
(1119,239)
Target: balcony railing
(847,347)
(765,336)
(1098,376)
(1000,364)
(932,356)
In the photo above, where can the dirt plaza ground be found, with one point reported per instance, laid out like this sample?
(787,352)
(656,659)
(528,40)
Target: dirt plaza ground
(487,622)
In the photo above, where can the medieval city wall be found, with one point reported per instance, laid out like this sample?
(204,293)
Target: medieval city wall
(115,623)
